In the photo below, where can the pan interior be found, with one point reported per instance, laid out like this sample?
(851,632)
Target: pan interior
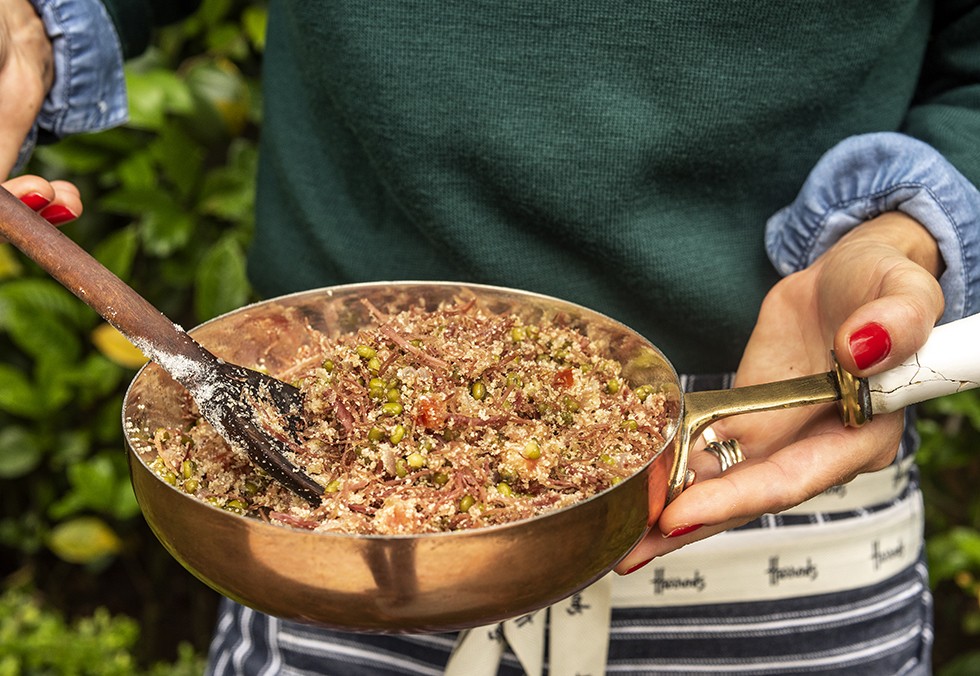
(432,582)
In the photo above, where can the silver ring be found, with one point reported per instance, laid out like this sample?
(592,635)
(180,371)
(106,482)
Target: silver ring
(728,452)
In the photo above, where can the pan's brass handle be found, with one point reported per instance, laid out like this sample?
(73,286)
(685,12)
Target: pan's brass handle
(703,408)
(946,364)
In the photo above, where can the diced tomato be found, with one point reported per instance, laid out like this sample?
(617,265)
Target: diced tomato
(564,379)
(430,413)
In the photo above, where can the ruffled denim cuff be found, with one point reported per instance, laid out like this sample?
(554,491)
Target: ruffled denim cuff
(89,90)
(867,175)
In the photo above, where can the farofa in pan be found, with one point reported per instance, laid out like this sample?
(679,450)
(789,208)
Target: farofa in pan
(432,421)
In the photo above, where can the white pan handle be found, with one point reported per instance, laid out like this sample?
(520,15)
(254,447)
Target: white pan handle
(949,362)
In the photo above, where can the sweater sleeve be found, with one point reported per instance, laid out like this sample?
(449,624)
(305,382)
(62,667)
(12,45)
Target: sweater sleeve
(90,40)
(868,175)
(930,170)
(946,110)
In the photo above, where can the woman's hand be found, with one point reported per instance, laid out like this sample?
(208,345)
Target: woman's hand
(26,74)
(58,202)
(874,298)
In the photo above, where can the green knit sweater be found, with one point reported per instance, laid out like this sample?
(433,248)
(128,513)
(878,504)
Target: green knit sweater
(621,155)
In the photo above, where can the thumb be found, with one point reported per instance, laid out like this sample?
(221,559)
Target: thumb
(887,330)
(10,145)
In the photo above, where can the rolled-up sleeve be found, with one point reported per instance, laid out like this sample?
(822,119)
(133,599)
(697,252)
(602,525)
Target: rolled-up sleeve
(89,89)
(870,174)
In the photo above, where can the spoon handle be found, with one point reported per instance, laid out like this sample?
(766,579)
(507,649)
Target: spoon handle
(121,306)
(948,363)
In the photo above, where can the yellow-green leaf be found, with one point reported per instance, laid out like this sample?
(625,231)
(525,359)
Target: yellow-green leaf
(9,265)
(116,348)
(84,540)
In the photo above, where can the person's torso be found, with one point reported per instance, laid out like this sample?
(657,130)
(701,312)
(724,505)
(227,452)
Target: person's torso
(621,155)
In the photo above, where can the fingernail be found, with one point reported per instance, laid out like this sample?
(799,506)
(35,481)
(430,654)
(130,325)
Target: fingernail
(869,345)
(683,530)
(35,200)
(637,566)
(57,214)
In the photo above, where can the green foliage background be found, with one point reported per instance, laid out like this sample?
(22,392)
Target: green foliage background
(84,586)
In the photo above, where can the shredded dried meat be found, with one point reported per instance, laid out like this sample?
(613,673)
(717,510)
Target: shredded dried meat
(431,421)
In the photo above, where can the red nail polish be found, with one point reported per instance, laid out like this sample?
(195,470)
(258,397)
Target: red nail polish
(35,200)
(637,566)
(57,214)
(869,345)
(683,530)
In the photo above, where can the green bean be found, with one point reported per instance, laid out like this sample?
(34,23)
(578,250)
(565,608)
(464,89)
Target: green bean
(478,390)
(532,450)
(644,391)
(397,434)
(376,388)
(236,505)
(392,408)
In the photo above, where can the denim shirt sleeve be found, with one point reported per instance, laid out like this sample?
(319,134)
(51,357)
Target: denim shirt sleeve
(867,175)
(89,90)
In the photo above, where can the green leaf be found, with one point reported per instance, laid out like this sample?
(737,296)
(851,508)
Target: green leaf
(179,158)
(125,505)
(213,12)
(53,382)
(17,394)
(9,263)
(100,484)
(137,201)
(20,452)
(86,539)
(963,665)
(153,94)
(43,336)
(136,171)
(953,551)
(229,191)
(224,97)
(70,447)
(222,284)
(165,232)
(99,375)
(76,157)
(227,39)
(254,21)
(42,296)
(164,226)
(118,251)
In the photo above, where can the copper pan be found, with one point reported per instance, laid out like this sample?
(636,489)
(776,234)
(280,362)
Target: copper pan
(431,582)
